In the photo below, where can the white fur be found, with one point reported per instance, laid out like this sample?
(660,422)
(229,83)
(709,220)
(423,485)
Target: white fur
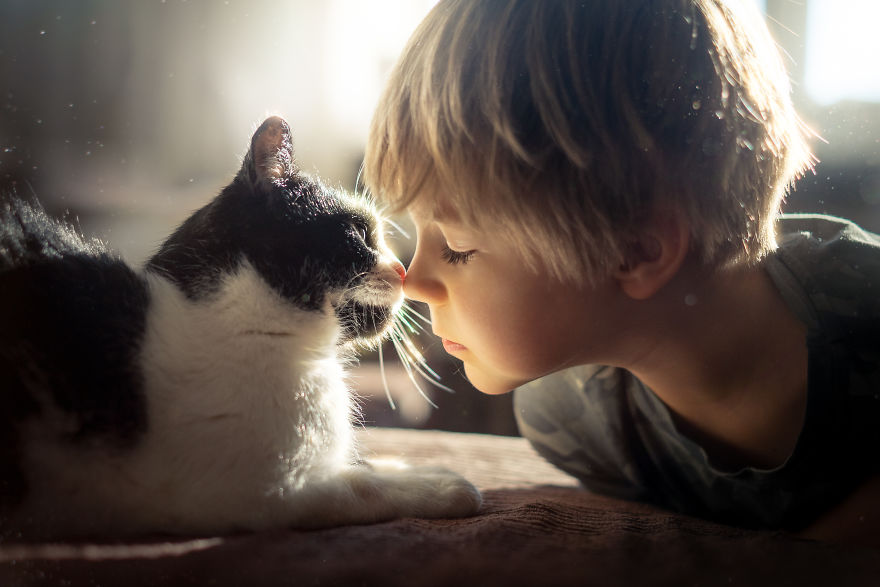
(249,427)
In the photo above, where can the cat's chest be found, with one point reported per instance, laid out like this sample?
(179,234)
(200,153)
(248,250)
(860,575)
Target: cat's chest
(243,366)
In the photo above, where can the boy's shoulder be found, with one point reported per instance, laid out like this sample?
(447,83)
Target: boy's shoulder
(821,233)
(828,269)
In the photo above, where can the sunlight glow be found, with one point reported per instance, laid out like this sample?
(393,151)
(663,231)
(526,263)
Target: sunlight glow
(366,39)
(842,49)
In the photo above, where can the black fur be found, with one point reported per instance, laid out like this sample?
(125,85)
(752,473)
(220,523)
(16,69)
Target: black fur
(71,320)
(298,235)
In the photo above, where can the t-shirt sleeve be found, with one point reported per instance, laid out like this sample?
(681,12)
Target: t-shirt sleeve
(579,420)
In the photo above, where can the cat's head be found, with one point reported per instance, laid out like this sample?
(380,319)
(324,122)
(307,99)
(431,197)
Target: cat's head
(317,248)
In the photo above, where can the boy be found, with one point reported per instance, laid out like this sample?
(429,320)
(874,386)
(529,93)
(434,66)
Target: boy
(596,187)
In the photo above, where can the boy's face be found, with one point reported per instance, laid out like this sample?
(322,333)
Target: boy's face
(507,323)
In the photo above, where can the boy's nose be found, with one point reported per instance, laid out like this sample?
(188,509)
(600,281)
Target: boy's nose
(422,288)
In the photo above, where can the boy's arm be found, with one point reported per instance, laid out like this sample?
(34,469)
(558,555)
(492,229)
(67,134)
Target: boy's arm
(856,520)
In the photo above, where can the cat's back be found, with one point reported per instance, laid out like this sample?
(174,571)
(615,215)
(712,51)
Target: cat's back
(29,236)
(66,302)
(71,318)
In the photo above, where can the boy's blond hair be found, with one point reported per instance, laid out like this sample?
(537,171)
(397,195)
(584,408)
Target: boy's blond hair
(568,123)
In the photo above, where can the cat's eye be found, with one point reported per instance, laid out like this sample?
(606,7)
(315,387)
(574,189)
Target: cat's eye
(361,230)
(456,257)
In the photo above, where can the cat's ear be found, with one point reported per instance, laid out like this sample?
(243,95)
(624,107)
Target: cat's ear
(271,155)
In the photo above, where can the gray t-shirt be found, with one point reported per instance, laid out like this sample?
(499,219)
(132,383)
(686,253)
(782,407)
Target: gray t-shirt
(603,426)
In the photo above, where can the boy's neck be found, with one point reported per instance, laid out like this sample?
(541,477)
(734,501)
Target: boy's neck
(729,358)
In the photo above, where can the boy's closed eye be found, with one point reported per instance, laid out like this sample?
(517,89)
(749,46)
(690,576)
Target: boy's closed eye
(457,243)
(454,257)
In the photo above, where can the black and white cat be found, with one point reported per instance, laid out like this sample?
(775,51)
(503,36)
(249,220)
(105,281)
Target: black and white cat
(205,393)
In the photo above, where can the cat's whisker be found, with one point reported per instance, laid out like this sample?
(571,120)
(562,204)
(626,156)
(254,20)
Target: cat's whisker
(413,353)
(411,375)
(413,327)
(429,379)
(424,365)
(429,375)
(364,193)
(385,379)
(406,348)
(410,311)
(398,228)
(349,288)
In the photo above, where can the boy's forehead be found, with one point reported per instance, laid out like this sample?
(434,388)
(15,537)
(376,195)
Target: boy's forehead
(434,207)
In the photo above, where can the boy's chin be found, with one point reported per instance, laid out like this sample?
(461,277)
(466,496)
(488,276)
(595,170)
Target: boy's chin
(489,384)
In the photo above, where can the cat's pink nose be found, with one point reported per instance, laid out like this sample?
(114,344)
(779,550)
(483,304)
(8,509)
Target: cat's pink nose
(398,266)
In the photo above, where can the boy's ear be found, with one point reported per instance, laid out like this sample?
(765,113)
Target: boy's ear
(656,257)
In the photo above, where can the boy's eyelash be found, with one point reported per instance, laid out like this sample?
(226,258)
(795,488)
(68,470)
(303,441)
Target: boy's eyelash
(456,257)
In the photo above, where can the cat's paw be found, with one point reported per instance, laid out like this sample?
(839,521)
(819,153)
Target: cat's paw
(430,491)
(456,496)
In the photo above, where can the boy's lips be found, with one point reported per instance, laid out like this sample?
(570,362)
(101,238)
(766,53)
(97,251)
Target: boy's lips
(451,346)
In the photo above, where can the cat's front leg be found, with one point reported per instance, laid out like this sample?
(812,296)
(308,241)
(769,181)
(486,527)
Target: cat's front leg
(383,490)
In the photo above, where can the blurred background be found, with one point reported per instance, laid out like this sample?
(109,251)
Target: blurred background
(128,115)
